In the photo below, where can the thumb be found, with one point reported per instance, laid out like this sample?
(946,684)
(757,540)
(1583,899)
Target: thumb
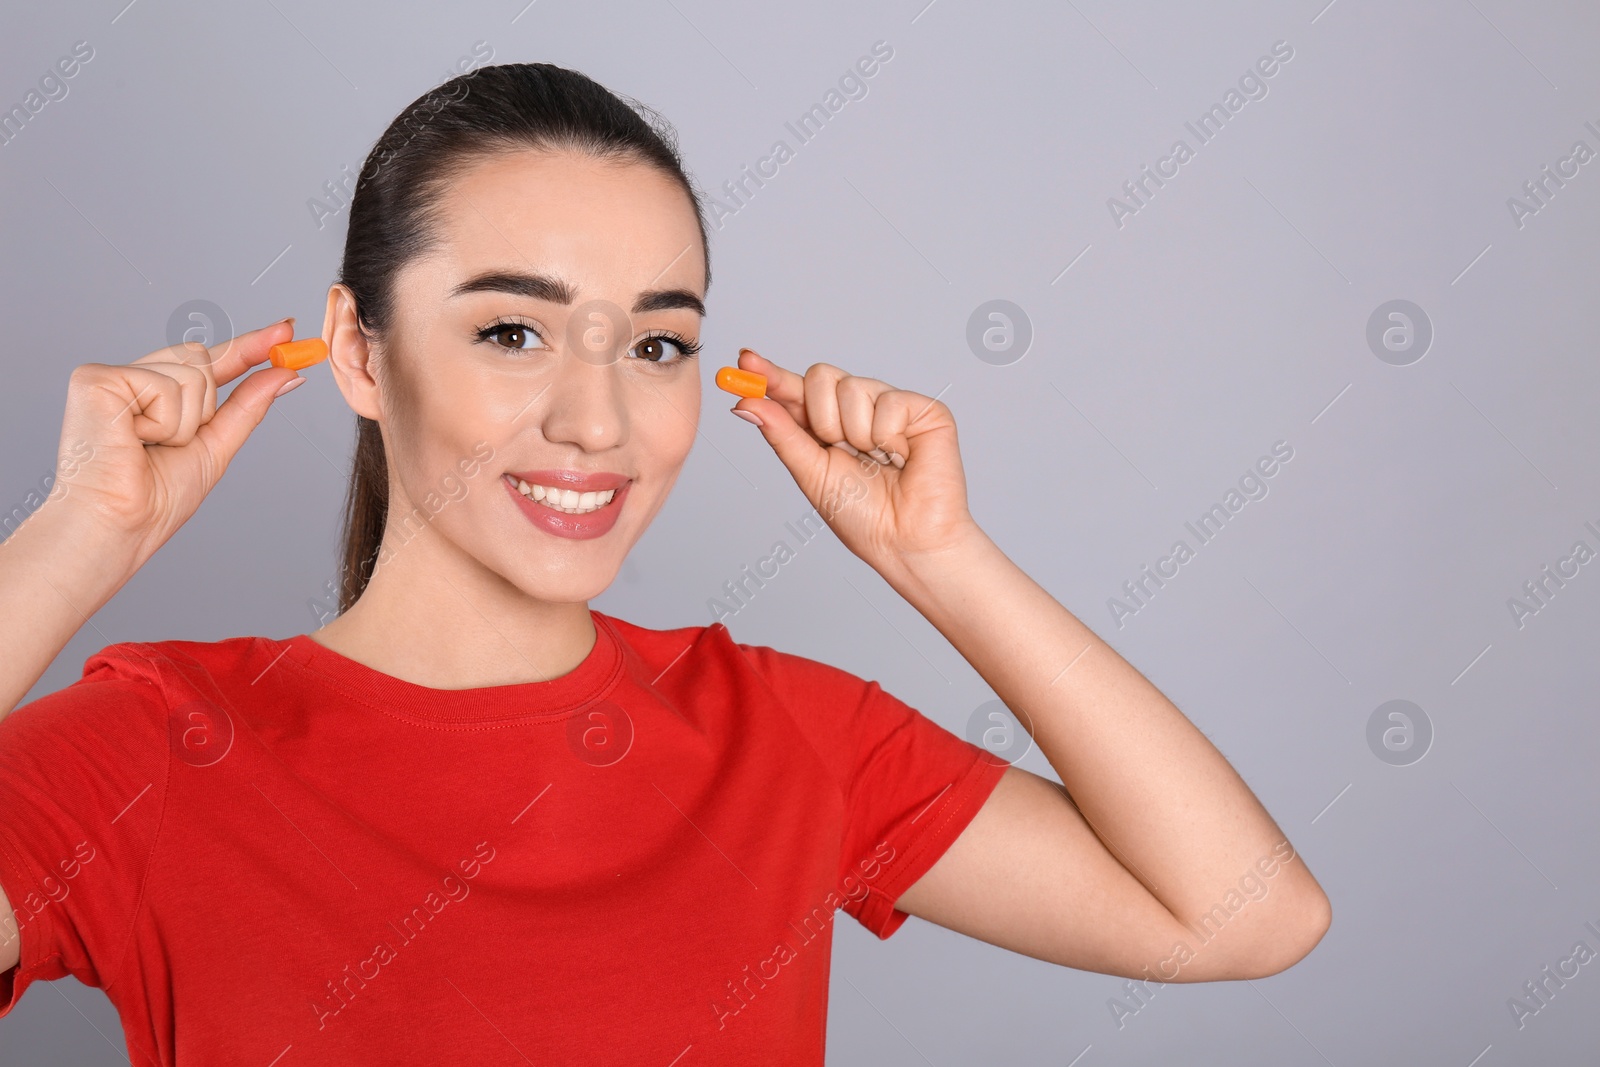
(799,451)
(242,412)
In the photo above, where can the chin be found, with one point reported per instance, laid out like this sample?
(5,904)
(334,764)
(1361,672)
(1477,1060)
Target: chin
(573,588)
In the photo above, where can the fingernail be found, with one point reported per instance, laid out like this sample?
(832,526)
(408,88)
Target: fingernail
(288,387)
(880,455)
(747,416)
(289,319)
(850,448)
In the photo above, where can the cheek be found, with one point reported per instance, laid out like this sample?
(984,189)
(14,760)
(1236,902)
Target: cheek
(690,425)
(666,419)
(663,424)
(438,451)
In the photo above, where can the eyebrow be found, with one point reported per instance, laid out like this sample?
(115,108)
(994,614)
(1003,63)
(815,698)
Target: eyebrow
(556,291)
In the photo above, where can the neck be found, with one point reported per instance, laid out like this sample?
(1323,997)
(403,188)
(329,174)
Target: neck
(433,616)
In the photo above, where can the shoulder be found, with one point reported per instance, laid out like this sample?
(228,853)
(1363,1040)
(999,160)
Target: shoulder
(168,665)
(714,646)
(121,679)
(648,642)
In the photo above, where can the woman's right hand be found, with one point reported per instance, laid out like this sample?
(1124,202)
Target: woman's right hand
(143,443)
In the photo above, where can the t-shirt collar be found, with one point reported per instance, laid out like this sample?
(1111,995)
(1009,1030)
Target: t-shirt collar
(543,701)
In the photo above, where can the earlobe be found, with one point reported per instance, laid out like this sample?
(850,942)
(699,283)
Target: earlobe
(350,354)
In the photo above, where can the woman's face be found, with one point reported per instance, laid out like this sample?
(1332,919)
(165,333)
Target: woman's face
(544,341)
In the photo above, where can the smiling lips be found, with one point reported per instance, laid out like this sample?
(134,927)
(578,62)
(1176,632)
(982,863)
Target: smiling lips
(569,503)
(570,491)
(568,500)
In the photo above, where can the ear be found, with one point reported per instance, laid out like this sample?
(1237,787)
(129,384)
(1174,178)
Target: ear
(349,355)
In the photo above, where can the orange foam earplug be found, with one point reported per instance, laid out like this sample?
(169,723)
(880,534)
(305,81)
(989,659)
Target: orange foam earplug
(298,355)
(742,382)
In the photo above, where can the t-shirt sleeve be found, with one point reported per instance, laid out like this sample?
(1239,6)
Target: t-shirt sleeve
(82,787)
(910,785)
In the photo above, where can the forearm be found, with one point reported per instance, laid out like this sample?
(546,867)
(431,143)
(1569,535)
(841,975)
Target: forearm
(56,570)
(1158,794)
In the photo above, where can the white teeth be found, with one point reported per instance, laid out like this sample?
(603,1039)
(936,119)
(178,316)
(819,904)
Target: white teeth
(567,500)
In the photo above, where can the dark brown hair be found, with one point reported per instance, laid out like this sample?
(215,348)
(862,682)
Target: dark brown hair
(439,135)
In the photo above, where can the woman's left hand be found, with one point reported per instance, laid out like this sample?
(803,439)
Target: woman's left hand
(886,514)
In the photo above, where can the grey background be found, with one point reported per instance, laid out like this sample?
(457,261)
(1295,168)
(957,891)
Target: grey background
(1229,313)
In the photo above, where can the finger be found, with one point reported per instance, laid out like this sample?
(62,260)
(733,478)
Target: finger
(858,402)
(822,401)
(783,385)
(151,402)
(195,398)
(796,447)
(194,356)
(906,422)
(194,391)
(233,357)
(241,413)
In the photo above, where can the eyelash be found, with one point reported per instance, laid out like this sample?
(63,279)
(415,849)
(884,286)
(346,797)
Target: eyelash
(687,348)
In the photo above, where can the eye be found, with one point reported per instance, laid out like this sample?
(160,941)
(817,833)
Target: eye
(512,335)
(654,348)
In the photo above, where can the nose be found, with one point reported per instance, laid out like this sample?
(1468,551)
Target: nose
(585,404)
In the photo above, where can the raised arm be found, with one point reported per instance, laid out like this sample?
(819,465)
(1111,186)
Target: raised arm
(1155,861)
(141,446)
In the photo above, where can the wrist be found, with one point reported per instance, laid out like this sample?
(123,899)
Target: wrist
(917,576)
(57,569)
(64,530)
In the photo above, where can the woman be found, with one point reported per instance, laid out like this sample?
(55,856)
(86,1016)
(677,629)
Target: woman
(473,819)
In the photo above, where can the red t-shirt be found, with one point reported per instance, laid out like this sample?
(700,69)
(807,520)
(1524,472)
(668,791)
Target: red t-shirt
(267,853)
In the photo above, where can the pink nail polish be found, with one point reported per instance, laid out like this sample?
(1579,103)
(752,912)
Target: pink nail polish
(747,416)
(289,386)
